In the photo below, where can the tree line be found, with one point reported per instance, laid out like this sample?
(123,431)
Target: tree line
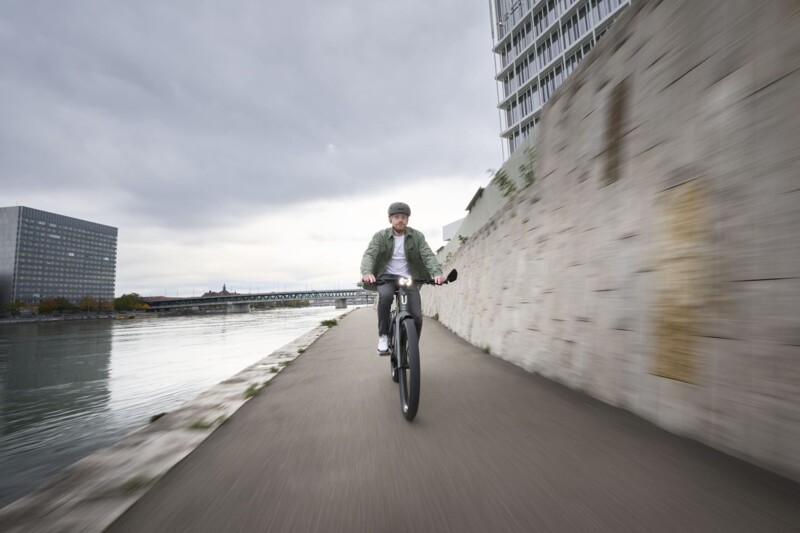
(125,303)
(87,304)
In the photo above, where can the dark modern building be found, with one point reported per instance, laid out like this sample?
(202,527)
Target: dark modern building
(44,255)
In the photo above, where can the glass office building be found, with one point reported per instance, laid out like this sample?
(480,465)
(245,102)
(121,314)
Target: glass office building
(44,255)
(538,43)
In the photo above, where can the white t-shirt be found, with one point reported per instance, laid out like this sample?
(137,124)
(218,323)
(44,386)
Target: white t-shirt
(398,264)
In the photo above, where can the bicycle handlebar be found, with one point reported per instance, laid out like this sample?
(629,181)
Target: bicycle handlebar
(452,276)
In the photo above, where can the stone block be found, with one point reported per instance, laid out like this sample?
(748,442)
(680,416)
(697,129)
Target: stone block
(775,371)
(728,367)
(681,407)
(775,315)
(627,362)
(728,428)
(771,430)
(755,386)
(727,313)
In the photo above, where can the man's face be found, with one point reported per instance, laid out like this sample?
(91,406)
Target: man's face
(399,221)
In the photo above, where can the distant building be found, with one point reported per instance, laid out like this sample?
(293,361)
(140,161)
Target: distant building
(44,255)
(538,44)
(451,230)
(223,292)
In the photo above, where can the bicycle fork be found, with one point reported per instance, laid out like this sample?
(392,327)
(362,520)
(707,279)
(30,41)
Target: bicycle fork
(402,314)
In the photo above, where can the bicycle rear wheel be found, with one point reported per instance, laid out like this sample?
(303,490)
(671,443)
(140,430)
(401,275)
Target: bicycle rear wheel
(408,371)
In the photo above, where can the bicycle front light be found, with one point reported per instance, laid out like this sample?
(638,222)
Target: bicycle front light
(406,282)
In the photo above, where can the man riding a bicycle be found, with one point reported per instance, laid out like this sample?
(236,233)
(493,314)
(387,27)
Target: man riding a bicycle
(395,252)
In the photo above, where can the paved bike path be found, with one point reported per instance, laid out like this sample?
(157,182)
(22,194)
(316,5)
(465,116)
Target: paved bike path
(493,448)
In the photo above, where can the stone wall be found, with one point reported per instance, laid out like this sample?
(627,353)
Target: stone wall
(655,262)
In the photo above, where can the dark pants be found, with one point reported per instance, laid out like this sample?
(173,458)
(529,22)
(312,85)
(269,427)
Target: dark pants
(385,297)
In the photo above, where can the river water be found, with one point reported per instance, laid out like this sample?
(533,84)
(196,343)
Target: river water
(68,389)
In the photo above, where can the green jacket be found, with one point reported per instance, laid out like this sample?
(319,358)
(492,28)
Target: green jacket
(421,261)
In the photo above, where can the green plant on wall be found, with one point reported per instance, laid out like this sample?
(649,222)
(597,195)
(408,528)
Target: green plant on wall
(526,168)
(507,185)
(504,183)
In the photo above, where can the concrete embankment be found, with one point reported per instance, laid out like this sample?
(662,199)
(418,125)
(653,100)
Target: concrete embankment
(93,492)
(655,261)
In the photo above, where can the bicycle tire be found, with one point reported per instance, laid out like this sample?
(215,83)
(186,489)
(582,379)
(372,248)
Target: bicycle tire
(408,371)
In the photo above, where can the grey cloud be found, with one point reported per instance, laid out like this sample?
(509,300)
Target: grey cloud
(192,110)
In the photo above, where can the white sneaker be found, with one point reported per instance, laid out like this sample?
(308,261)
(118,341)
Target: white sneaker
(383,344)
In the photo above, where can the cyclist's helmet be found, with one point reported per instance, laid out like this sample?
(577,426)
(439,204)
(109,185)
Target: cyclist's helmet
(399,207)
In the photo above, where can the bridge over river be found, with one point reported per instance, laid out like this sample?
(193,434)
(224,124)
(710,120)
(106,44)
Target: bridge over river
(242,302)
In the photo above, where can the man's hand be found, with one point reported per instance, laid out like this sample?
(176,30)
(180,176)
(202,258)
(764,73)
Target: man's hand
(439,280)
(368,278)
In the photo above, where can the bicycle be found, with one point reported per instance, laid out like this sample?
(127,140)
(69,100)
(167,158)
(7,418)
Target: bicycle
(404,345)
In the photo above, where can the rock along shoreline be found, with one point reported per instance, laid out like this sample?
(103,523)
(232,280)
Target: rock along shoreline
(92,493)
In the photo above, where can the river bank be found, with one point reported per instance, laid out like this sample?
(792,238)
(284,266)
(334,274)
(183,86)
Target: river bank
(93,492)
(121,315)
(64,318)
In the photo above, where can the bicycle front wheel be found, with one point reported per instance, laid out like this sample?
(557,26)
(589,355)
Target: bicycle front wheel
(408,369)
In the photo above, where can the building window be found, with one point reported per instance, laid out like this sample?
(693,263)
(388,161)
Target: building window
(584,22)
(600,9)
(555,43)
(572,61)
(570,31)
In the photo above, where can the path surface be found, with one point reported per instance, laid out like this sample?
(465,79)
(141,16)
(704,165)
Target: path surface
(493,448)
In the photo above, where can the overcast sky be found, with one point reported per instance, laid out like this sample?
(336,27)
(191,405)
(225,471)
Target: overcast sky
(246,142)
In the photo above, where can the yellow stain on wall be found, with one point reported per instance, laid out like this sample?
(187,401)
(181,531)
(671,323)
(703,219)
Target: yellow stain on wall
(681,280)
